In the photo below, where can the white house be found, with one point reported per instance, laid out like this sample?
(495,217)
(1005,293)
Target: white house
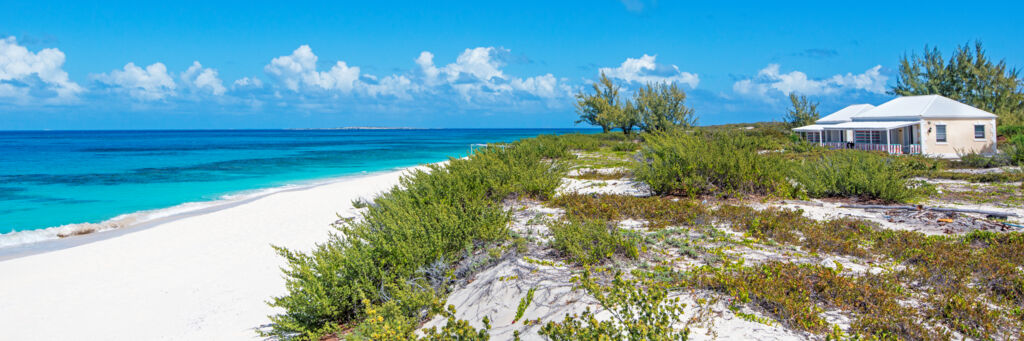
(931,125)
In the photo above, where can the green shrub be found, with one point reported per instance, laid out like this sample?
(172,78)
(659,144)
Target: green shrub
(735,163)
(978,160)
(697,164)
(590,142)
(625,146)
(641,310)
(846,173)
(1010,131)
(593,241)
(384,324)
(1016,149)
(431,219)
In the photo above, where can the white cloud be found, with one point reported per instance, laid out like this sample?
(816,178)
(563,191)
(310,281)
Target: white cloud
(771,80)
(203,79)
(426,63)
(298,70)
(646,70)
(475,76)
(545,86)
(394,85)
(23,73)
(478,63)
(151,83)
(246,82)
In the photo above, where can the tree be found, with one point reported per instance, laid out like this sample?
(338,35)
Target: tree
(628,117)
(662,106)
(969,77)
(802,113)
(602,107)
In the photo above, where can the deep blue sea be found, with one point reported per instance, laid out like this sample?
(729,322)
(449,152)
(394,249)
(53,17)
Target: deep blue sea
(52,178)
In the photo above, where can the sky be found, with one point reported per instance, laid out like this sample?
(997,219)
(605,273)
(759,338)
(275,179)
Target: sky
(517,64)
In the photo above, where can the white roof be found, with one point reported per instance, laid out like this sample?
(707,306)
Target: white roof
(844,114)
(918,107)
(813,127)
(876,125)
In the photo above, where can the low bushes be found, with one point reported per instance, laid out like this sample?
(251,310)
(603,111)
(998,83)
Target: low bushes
(697,164)
(848,173)
(592,142)
(593,241)
(734,163)
(431,219)
(1016,151)
(1010,131)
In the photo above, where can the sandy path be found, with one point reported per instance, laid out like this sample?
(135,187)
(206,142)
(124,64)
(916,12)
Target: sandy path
(203,277)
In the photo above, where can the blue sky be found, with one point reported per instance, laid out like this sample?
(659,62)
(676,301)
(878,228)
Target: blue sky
(135,65)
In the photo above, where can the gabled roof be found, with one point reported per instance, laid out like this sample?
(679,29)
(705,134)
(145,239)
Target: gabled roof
(918,107)
(844,114)
(813,127)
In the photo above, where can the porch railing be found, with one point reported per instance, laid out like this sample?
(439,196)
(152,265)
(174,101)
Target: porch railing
(896,149)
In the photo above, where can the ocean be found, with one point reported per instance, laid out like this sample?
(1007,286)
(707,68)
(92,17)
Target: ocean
(55,178)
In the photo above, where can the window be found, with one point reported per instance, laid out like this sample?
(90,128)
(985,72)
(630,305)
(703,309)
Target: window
(940,133)
(979,131)
(867,136)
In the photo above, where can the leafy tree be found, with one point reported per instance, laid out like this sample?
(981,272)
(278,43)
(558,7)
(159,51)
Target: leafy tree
(662,106)
(602,107)
(968,76)
(628,118)
(803,112)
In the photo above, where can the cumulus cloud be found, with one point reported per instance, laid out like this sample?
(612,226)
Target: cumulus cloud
(771,81)
(476,75)
(426,63)
(25,75)
(149,84)
(298,70)
(646,70)
(202,79)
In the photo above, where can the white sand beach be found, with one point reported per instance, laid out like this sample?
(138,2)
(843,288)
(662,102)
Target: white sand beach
(201,277)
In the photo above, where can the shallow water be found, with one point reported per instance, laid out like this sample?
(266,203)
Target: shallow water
(68,177)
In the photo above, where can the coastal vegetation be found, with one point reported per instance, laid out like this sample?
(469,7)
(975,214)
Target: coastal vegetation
(969,76)
(803,112)
(394,261)
(734,164)
(382,275)
(653,107)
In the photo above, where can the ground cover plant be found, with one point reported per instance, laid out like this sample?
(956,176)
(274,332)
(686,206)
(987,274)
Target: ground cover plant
(641,310)
(969,284)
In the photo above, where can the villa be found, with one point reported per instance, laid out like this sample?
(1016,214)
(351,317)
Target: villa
(931,125)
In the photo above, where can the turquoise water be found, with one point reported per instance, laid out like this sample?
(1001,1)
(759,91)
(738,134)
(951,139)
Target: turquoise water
(55,178)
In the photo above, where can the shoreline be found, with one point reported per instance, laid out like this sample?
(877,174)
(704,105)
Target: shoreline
(202,274)
(28,242)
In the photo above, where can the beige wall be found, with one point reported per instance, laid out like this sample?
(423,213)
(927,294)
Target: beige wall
(959,137)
